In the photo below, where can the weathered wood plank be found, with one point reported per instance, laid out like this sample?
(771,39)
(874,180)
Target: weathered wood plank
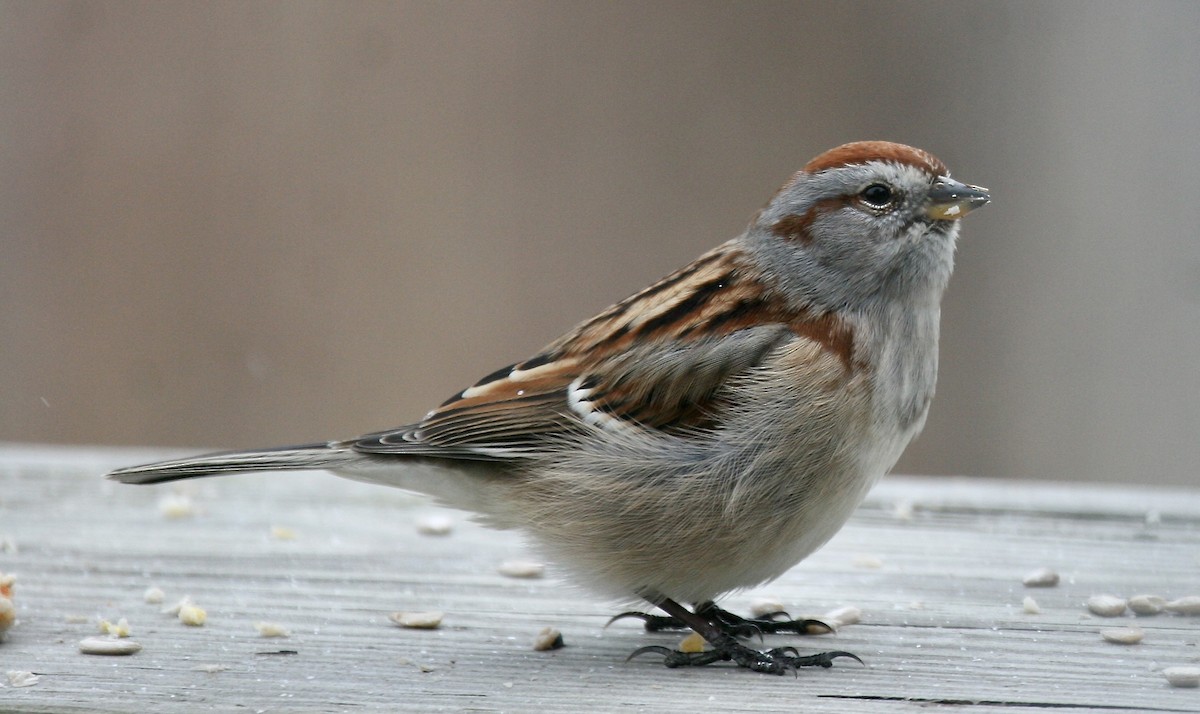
(942,616)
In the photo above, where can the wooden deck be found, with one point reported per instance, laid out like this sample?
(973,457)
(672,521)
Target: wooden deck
(934,564)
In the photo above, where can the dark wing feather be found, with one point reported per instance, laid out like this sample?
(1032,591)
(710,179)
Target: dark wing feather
(658,360)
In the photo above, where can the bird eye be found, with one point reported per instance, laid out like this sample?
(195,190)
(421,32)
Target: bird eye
(877,196)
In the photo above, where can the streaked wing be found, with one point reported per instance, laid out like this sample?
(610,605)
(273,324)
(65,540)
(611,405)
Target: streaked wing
(658,360)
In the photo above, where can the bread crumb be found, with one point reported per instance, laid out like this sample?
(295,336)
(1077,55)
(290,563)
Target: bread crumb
(692,643)
(1030,606)
(271,629)
(119,629)
(154,596)
(847,615)
(766,605)
(192,616)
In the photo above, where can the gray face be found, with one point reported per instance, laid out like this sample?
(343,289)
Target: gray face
(858,235)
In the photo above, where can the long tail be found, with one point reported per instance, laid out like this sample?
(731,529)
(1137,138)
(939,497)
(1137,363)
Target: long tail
(287,458)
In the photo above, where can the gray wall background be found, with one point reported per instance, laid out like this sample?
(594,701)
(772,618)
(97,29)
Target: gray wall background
(231,224)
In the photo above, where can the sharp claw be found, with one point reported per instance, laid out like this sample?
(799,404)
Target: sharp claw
(656,649)
(632,613)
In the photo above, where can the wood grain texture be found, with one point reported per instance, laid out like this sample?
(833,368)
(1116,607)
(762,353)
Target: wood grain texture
(942,616)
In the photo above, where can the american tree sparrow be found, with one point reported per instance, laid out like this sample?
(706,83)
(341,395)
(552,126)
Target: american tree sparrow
(712,430)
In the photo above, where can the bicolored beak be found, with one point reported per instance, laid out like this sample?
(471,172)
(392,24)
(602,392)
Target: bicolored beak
(949,200)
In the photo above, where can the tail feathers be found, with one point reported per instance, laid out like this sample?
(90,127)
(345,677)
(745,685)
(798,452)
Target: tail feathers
(289,458)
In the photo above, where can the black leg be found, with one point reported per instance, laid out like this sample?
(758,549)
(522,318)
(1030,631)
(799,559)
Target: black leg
(725,647)
(769,624)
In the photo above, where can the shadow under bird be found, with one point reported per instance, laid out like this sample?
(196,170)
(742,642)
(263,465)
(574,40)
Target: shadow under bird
(711,431)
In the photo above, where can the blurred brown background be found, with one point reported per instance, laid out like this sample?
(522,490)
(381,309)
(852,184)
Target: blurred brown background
(231,224)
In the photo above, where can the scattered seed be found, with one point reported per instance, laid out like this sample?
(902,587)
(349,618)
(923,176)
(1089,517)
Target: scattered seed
(870,562)
(1040,578)
(1189,605)
(903,511)
(847,615)
(1106,605)
(119,629)
(210,668)
(192,615)
(767,605)
(548,639)
(21,678)
(174,609)
(1123,635)
(1183,676)
(1147,604)
(108,646)
(1030,606)
(418,620)
(283,533)
(692,643)
(175,506)
(521,569)
(8,545)
(154,595)
(435,525)
(271,629)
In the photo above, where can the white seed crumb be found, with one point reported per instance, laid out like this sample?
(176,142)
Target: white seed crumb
(1030,606)
(1106,605)
(1147,604)
(154,595)
(1123,635)
(22,678)
(1189,605)
(1152,518)
(903,511)
(210,668)
(174,609)
(521,569)
(418,620)
(766,605)
(283,533)
(108,646)
(118,629)
(870,562)
(271,629)
(692,643)
(76,619)
(424,667)
(8,545)
(1183,676)
(192,616)
(1040,578)
(175,506)
(435,525)
(847,615)
(548,639)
